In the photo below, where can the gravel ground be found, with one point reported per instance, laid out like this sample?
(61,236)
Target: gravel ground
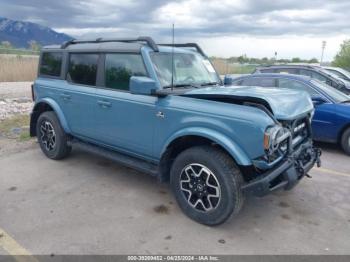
(15,98)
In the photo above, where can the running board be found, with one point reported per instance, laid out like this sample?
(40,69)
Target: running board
(123,159)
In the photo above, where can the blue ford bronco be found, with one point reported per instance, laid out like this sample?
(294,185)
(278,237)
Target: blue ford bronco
(162,109)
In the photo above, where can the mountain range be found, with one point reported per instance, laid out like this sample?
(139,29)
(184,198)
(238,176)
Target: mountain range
(20,33)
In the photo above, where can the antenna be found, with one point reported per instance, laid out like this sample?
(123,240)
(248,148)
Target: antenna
(172,59)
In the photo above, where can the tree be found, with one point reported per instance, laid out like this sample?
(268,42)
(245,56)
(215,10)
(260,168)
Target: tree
(342,59)
(34,46)
(6,44)
(313,61)
(296,60)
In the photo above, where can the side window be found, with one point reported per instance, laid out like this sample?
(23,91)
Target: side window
(259,81)
(120,67)
(287,71)
(237,82)
(267,70)
(305,72)
(51,64)
(83,69)
(319,77)
(292,84)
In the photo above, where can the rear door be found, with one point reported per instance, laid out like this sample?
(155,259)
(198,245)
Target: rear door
(123,120)
(78,94)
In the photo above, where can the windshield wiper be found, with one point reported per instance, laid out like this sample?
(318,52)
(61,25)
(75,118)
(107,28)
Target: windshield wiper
(345,101)
(182,85)
(210,84)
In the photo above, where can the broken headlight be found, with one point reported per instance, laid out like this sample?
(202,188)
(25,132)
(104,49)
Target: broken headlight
(274,137)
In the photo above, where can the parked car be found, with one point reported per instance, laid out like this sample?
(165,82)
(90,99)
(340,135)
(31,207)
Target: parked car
(331,122)
(339,72)
(316,72)
(162,109)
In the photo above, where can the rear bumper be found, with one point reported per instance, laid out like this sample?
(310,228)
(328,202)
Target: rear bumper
(287,174)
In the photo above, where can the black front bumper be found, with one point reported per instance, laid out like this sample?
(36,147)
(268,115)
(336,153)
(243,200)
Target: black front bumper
(286,174)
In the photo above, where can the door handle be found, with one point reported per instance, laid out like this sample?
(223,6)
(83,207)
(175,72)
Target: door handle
(65,96)
(104,104)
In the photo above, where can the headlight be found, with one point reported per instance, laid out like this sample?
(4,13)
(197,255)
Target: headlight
(273,137)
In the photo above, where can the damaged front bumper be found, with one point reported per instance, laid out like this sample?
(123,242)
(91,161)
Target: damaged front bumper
(287,173)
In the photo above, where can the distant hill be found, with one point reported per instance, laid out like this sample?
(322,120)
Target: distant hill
(20,33)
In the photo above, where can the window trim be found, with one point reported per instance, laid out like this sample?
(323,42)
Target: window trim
(103,70)
(41,60)
(81,53)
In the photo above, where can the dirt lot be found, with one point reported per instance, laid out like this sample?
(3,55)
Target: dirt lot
(88,205)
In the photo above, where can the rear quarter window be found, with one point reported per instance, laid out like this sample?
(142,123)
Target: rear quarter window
(51,64)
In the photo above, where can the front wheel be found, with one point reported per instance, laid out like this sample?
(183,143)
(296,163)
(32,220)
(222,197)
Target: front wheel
(207,185)
(345,141)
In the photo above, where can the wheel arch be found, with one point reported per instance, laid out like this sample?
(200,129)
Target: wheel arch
(44,105)
(195,137)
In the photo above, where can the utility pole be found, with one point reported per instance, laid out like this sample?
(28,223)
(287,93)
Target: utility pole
(323,47)
(275,57)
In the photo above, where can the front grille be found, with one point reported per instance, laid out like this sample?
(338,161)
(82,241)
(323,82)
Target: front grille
(300,130)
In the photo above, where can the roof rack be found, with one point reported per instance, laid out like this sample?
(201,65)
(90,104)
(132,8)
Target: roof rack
(192,45)
(150,42)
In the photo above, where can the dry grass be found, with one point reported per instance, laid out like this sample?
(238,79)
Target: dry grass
(16,127)
(223,68)
(15,68)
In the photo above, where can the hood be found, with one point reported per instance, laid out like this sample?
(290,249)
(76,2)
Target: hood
(285,104)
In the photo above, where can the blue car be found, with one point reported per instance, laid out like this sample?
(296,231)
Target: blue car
(331,122)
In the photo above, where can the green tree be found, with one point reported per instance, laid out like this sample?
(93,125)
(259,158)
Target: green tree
(313,61)
(6,44)
(296,60)
(342,59)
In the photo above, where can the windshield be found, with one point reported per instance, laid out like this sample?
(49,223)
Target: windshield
(189,69)
(336,95)
(339,72)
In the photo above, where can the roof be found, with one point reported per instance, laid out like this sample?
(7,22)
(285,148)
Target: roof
(291,66)
(276,75)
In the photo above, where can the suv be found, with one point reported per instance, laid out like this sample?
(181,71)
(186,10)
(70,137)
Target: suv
(162,109)
(316,72)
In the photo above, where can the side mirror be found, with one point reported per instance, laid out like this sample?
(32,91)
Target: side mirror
(318,100)
(141,85)
(228,80)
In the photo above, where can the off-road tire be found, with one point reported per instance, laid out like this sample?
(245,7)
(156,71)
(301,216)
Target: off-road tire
(345,141)
(60,149)
(227,174)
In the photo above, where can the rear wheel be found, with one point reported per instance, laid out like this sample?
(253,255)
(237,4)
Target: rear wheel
(207,185)
(345,141)
(51,136)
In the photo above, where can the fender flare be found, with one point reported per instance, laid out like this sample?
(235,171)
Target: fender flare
(56,108)
(236,152)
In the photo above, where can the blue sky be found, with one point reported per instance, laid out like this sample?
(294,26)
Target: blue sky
(223,28)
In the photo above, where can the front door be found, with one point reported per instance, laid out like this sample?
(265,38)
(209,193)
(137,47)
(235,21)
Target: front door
(125,121)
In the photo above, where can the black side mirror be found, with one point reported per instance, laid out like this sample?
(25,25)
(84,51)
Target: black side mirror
(318,100)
